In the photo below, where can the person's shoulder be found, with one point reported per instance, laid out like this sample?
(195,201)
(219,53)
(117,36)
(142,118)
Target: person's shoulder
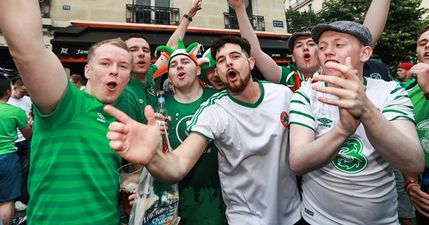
(380,87)
(11,108)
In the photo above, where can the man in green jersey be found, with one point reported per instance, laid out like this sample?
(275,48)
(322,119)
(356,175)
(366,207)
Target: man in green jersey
(11,118)
(142,87)
(301,45)
(419,193)
(199,192)
(73,172)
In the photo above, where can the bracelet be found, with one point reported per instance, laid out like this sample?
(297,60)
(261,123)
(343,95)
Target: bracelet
(187,17)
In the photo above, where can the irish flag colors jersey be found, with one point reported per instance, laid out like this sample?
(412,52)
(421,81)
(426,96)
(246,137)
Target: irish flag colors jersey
(358,186)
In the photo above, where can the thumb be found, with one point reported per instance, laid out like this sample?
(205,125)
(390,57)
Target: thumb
(150,115)
(118,114)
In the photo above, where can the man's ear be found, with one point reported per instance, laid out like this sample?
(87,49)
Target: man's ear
(87,71)
(198,71)
(366,53)
(251,61)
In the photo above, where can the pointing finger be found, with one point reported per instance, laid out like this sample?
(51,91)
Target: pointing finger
(118,114)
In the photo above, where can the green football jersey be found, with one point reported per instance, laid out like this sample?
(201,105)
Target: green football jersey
(421,112)
(73,171)
(200,193)
(11,117)
(137,95)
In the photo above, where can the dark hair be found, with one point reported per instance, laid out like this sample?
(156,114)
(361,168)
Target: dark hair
(426,28)
(4,86)
(218,44)
(77,78)
(135,36)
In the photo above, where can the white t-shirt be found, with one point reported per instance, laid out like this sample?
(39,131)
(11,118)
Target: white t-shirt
(358,186)
(25,104)
(258,186)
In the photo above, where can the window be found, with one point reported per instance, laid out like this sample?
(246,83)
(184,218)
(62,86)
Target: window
(153,12)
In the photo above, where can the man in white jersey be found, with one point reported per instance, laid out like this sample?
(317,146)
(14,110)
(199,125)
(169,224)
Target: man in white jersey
(248,123)
(348,131)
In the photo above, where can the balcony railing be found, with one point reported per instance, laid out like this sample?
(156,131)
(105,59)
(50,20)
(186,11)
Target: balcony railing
(45,8)
(152,15)
(258,22)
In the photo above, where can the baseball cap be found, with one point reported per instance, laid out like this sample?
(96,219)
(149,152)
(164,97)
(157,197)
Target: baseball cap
(406,65)
(294,36)
(358,30)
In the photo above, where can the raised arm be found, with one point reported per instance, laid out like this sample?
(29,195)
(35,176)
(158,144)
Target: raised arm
(264,62)
(40,69)
(139,143)
(376,17)
(180,30)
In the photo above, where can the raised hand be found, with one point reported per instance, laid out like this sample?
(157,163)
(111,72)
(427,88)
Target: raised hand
(421,72)
(350,91)
(134,141)
(196,6)
(236,3)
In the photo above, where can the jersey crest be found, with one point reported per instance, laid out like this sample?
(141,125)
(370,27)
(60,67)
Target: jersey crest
(423,127)
(284,119)
(350,159)
(181,128)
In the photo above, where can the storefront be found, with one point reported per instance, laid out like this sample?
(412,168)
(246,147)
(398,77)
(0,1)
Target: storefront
(71,44)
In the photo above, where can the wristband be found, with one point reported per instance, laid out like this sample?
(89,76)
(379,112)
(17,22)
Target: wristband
(187,17)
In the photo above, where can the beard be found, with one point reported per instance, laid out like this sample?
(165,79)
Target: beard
(308,67)
(239,85)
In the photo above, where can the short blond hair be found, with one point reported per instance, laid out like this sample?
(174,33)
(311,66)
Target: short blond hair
(114,41)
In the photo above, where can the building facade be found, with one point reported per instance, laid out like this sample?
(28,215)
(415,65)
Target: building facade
(317,5)
(70,27)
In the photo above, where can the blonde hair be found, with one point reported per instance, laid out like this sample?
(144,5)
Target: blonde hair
(114,41)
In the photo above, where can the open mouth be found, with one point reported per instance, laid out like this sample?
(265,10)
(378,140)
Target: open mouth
(231,74)
(307,56)
(141,63)
(426,55)
(181,75)
(332,60)
(112,85)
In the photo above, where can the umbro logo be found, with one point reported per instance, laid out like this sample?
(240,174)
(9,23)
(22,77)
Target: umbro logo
(101,118)
(325,122)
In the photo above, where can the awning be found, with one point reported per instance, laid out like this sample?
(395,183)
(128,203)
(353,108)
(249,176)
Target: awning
(72,43)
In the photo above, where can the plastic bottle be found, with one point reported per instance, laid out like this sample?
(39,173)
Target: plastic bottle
(164,145)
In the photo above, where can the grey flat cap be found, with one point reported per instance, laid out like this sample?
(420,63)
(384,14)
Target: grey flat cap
(294,36)
(358,30)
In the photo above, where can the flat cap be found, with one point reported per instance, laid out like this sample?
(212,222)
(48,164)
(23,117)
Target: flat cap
(294,36)
(358,30)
